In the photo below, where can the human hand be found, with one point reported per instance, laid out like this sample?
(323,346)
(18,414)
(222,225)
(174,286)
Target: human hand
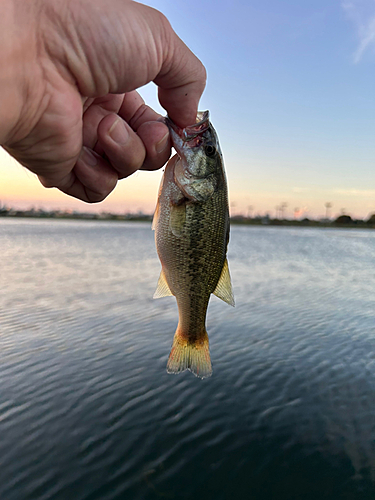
(75,118)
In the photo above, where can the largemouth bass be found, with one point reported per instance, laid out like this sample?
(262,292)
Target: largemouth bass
(191,224)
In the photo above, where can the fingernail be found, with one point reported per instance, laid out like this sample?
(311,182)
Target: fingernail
(118,132)
(88,157)
(162,144)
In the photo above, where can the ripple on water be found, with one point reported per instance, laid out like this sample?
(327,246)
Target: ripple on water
(87,410)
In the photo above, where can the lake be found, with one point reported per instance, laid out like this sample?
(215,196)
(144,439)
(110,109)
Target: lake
(88,412)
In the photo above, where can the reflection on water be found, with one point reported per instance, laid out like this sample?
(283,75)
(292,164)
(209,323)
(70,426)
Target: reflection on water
(87,410)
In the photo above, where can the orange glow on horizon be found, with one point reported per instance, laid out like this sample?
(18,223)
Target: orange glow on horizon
(21,189)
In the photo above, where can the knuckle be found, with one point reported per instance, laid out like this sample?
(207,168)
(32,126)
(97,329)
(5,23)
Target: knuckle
(155,163)
(137,117)
(96,197)
(124,157)
(47,183)
(201,76)
(137,161)
(101,191)
(132,159)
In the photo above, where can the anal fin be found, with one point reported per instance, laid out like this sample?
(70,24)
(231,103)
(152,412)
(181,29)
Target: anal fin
(223,288)
(162,289)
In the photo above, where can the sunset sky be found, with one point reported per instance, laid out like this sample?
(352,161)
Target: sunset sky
(291,93)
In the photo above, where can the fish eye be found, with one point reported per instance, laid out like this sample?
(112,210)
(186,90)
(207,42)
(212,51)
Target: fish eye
(210,150)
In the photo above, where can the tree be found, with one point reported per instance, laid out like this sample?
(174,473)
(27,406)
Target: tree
(343,219)
(282,208)
(328,205)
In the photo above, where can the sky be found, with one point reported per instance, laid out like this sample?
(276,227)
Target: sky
(291,94)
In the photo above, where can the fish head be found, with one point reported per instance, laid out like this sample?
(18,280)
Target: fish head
(198,146)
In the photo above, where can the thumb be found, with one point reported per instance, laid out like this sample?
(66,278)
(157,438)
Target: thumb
(181,82)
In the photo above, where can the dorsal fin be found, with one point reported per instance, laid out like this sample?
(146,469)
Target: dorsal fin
(223,288)
(162,289)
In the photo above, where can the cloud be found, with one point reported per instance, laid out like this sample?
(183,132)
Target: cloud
(300,189)
(362,14)
(355,192)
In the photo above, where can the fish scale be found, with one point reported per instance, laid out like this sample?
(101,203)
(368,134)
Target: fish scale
(191,225)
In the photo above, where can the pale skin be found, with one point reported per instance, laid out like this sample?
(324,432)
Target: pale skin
(69,70)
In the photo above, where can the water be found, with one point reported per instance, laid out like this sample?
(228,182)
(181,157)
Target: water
(88,412)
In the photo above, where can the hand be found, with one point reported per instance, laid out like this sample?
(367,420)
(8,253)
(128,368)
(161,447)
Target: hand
(75,118)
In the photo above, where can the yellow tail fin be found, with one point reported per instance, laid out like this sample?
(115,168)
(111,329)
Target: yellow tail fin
(190,355)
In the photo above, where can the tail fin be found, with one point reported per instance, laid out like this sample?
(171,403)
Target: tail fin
(190,355)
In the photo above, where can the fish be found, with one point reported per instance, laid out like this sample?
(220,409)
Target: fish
(191,223)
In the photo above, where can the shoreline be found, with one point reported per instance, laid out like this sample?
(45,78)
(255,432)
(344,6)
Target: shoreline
(235,221)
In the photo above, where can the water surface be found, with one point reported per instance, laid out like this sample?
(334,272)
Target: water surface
(87,410)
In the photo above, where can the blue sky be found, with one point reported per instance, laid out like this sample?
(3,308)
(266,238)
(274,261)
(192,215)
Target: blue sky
(290,91)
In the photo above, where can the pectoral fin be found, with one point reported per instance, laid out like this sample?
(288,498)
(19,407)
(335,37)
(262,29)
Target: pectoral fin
(162,290)
(177,219)
(156,216)
(157,209)
(223,289)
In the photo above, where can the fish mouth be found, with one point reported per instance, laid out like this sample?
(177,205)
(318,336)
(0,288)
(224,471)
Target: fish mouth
(190,132)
